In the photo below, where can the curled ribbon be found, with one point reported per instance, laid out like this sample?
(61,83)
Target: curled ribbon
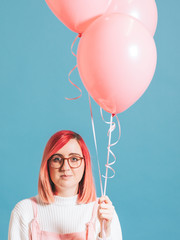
(79,35)
(108,164)
(111,129)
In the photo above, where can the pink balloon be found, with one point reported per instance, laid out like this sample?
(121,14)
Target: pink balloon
(78,14)
(143,10)
(116,61)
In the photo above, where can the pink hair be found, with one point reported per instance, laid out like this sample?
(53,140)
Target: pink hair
(46,189)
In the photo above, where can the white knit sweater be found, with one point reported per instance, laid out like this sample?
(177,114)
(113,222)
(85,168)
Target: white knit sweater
(62,216)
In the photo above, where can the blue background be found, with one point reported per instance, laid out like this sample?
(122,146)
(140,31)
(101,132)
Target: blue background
(35,59)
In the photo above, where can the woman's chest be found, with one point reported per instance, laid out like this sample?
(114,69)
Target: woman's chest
(63,219)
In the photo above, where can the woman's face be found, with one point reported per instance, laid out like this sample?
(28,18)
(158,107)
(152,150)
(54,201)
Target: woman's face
(66,179)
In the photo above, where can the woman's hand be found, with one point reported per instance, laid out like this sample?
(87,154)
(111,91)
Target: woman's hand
(105,212)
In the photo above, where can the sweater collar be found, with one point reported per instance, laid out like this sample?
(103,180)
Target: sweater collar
(68,201)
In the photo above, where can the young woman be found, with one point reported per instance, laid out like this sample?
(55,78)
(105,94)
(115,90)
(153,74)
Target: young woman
(66,207)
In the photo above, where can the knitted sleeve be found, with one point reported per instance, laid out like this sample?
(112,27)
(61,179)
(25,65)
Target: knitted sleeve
(20,219)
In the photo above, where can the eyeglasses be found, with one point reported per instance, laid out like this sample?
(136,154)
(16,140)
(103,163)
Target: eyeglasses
(57,161)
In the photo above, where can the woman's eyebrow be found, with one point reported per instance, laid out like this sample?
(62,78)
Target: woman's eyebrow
(74,154)
(69,154)
(58,154)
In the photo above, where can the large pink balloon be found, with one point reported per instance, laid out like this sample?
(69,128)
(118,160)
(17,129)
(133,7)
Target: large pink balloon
(116,60)
(143,10)
(78,14)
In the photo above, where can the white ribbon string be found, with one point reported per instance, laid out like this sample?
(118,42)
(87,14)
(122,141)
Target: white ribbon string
(108,164)
(106,177)
(97,158)
(113,126)
(95,143)
(79,35)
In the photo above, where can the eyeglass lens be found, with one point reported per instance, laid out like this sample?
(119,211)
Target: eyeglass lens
(57,161)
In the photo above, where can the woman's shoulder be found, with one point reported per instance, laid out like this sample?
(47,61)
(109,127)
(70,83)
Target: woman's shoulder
(23,208)
(21,217)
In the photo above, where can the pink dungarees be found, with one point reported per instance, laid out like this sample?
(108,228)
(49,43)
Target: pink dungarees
(37,234)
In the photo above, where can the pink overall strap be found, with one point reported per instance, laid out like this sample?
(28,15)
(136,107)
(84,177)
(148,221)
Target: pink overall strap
(91,229)
(34,205)
(34,231)
(94,213)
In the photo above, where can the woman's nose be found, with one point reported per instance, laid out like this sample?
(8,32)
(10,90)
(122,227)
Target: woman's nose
(65,165)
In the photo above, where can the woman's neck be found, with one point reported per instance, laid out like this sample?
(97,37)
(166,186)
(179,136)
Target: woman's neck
(65,201)
(66,192)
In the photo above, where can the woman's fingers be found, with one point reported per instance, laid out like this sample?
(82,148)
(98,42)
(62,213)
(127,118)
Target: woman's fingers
(104,199)
(105,216)
(106,206)
(106,209)
(106,212)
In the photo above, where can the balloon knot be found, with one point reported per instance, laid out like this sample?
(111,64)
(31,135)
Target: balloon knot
(113,114)
(80,34)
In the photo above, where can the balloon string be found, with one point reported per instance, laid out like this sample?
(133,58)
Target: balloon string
(97,158)
(113,126)
(111,129)
(95,143)
(106,177)
(79,35)
(109,151)
(108,165)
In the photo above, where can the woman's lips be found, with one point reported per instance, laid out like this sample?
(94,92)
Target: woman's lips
(66,176)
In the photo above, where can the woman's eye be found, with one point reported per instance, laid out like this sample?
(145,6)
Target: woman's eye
(74,159)
(56,159)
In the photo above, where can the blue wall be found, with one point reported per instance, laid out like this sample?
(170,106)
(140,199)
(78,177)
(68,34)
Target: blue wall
(35,60)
